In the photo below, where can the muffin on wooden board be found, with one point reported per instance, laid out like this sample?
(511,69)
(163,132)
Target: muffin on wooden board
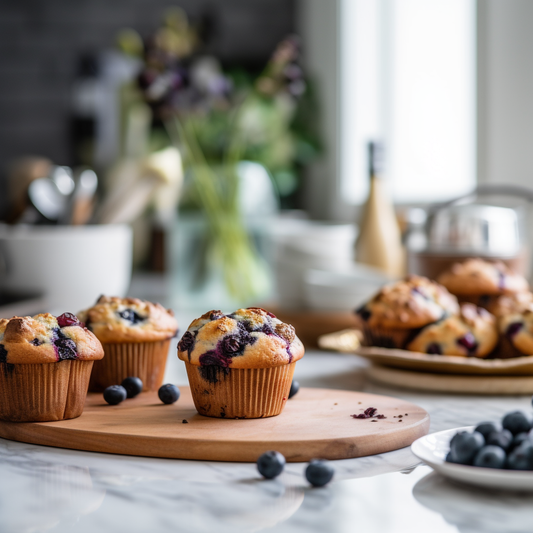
(135,335)
(482,282)
(45,367)
(391,317)
(471,333)
(240,365)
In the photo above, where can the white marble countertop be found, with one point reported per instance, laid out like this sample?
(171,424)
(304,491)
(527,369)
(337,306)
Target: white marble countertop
(50,489)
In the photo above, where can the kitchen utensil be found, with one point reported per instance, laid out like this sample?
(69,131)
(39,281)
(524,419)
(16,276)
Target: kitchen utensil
(46,197)
(464,227)
(432,449)
(81,202)
(315,423)
(21,173)
(450,383)
(50,195)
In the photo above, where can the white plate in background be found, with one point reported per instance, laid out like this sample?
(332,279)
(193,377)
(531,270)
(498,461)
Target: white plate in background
(432,449)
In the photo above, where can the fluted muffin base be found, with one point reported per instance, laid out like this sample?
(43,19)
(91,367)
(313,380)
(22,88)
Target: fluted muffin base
(43,392)
(145,360)
(240,393)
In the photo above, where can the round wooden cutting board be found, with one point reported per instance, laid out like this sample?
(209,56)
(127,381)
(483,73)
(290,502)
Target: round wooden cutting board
(316,423)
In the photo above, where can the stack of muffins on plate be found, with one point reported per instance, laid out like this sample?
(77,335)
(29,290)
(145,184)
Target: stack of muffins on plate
(475,309)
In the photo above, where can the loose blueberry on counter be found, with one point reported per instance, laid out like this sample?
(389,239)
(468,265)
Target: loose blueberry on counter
(490,457)
(502,438)
(319,472)
(516,422)
(271,464)
(133,386)
(115,394)
(295,387)
(465,446)
(486,428)
(168,393)
(131,316)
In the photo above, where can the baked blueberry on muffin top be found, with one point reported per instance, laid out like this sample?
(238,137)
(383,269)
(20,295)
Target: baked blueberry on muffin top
(46,339)
(247,338)
(114,319)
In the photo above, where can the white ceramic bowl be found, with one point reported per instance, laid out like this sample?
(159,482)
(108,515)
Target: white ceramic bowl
(343,290)
(69,265)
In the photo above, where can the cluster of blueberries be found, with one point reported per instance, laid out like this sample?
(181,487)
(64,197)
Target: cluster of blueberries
(491,445)
(132,386)
(318,472)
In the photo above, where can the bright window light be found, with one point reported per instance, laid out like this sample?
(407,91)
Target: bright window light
(408,79)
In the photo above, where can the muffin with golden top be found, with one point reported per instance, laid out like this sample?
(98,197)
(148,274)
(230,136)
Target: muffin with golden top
(240,365)
(45,367)
(471,333)
(482,282)
(394,315)
(135,335)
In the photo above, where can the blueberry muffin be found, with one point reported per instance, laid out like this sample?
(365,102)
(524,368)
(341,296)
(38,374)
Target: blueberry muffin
(480,282)
(240,365)
(135,335)
(471,333)
(508,304)
(45,367)
(516,330)
(400,309)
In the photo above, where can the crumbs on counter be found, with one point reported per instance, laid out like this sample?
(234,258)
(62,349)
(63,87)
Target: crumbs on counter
(370,412)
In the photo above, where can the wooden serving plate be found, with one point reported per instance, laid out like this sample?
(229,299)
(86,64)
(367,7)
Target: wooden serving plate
(315,423)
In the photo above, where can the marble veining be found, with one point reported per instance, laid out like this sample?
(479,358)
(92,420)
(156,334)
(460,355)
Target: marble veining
(50,489)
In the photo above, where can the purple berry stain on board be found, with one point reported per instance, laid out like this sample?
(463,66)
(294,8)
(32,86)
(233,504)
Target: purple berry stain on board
(370,412)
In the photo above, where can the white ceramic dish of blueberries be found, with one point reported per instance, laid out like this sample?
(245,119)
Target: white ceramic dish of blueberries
(433,448)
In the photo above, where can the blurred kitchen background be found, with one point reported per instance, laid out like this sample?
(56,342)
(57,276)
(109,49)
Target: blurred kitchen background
(226,148)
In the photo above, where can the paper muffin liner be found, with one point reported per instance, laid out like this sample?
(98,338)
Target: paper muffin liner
(43,392)
(240,393)
(387,337)
(145,360)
